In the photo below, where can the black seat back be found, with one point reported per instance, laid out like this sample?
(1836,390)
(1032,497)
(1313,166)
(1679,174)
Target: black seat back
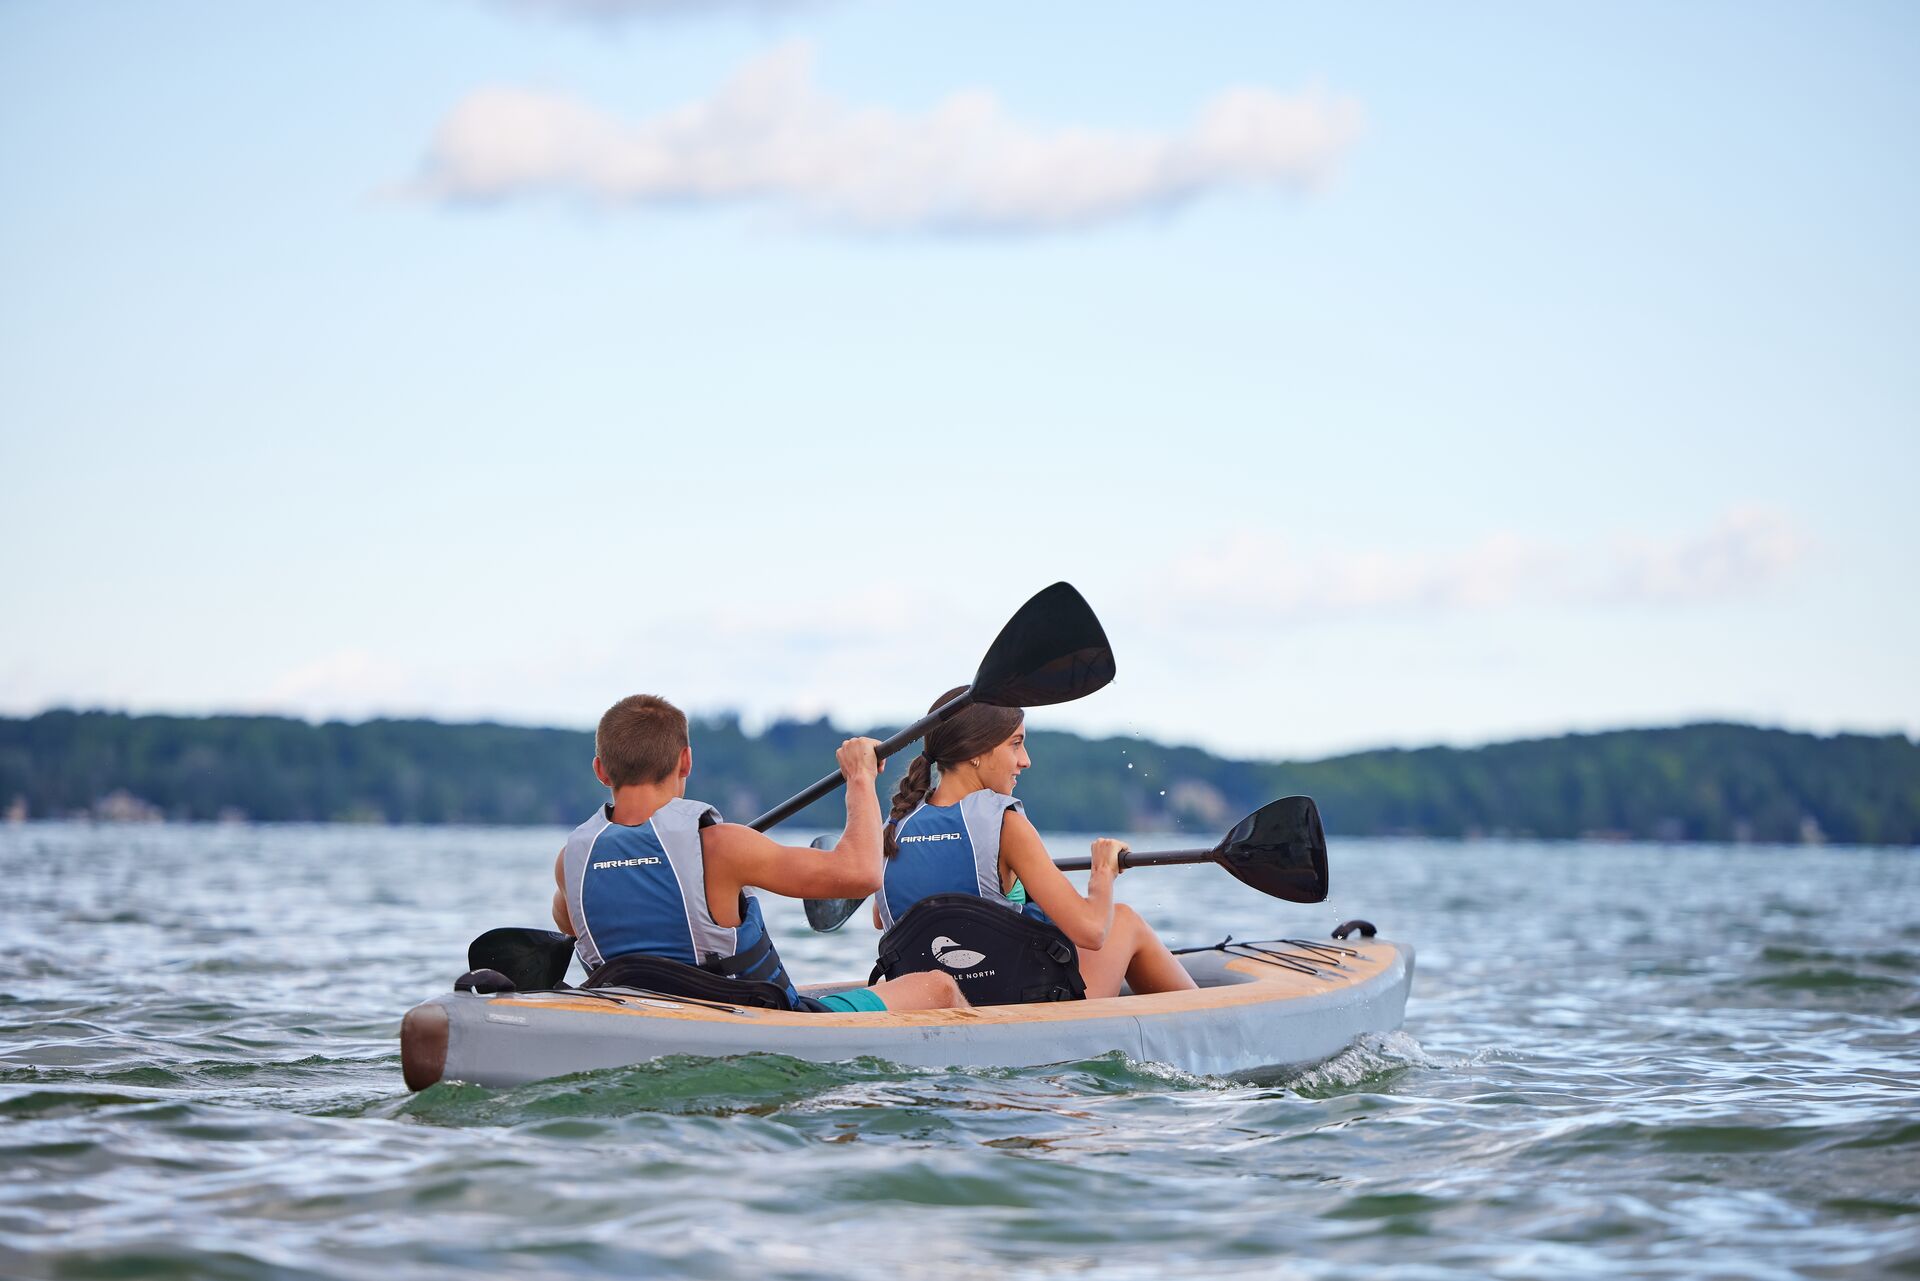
(676,978)
(998,957)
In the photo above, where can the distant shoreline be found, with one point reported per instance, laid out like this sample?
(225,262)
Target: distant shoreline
(1162,836)
(1717,782)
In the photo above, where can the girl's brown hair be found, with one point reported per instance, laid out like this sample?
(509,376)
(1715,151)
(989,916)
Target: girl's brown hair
(960,737)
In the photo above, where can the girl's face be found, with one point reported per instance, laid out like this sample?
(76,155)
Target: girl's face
(1000,768)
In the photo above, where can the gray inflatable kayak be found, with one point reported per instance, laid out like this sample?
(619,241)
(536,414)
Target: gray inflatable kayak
(1259,1006)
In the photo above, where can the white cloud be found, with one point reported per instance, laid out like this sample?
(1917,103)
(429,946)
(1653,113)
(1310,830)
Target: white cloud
(1259,577)
(770,136)
(349,683)
(881,652)
(1744,548)
(853,653)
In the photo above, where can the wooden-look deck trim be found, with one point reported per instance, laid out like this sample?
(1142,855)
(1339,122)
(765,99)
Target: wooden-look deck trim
(1270,982)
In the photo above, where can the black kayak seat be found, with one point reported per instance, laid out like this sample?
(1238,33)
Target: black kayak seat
(667,977)
(998,957)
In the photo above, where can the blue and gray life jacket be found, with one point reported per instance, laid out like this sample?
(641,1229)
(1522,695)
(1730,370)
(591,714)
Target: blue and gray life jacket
(943,909)
(950,849)
(643,890)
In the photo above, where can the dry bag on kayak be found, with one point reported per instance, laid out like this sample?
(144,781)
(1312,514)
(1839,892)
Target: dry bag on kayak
(998,957)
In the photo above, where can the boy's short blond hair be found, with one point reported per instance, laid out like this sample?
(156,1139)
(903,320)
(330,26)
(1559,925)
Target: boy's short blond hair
(640,739)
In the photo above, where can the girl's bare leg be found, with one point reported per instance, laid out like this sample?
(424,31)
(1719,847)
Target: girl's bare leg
(1154,968)
(1133,953)
(932,990)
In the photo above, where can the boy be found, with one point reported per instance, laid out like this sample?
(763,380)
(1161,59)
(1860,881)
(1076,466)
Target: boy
(658,874)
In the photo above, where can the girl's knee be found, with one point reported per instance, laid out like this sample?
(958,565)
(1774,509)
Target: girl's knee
(938,989)
(947,989)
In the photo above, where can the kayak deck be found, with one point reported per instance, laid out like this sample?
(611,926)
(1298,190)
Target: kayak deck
(1258,1006)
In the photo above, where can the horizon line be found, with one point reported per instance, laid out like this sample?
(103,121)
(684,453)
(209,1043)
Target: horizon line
(765,723)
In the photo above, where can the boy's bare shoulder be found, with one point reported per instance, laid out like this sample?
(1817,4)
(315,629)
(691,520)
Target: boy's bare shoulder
(731,838)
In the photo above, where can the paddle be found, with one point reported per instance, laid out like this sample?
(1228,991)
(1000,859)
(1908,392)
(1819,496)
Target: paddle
(1280,849)
(1053,650)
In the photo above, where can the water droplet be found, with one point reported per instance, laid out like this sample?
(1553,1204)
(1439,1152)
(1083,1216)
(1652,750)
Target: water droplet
(1163,791)
(1129,764)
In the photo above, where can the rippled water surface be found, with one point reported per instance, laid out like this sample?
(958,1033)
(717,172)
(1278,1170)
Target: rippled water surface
(1618,1061)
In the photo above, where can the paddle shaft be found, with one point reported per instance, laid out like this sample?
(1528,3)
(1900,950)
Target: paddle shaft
(1279,849)
(911,734)
(1153,858)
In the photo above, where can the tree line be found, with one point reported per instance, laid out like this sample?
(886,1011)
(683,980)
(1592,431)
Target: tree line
(1717,782)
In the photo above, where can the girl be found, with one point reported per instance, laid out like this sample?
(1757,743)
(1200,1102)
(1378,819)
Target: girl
(966,834)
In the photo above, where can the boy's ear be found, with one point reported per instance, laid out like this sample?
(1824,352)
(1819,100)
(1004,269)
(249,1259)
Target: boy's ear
(600,772)
(686,760)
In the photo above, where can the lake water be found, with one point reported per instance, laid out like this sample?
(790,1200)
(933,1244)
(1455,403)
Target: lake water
(1618,1061)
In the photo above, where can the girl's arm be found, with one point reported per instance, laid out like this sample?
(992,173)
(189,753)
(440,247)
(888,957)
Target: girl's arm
(1084,920)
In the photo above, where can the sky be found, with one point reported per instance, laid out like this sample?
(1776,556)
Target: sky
(1395,375)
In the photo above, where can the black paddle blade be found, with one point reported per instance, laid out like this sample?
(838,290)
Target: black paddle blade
(1052,651)
(1280,849)
(534,960)
(826,915)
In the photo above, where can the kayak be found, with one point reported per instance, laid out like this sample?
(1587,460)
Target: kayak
(1259,1006)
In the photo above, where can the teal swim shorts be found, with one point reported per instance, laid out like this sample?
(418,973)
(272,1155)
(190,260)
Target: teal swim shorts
(859,1000)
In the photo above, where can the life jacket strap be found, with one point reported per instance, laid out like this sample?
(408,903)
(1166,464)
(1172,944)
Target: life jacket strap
(758,962)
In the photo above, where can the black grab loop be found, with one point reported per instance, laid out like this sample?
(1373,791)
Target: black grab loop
(1365,929)
(483,982)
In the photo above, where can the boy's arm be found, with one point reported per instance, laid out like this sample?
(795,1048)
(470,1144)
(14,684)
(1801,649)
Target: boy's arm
(560,917)
(851,869)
